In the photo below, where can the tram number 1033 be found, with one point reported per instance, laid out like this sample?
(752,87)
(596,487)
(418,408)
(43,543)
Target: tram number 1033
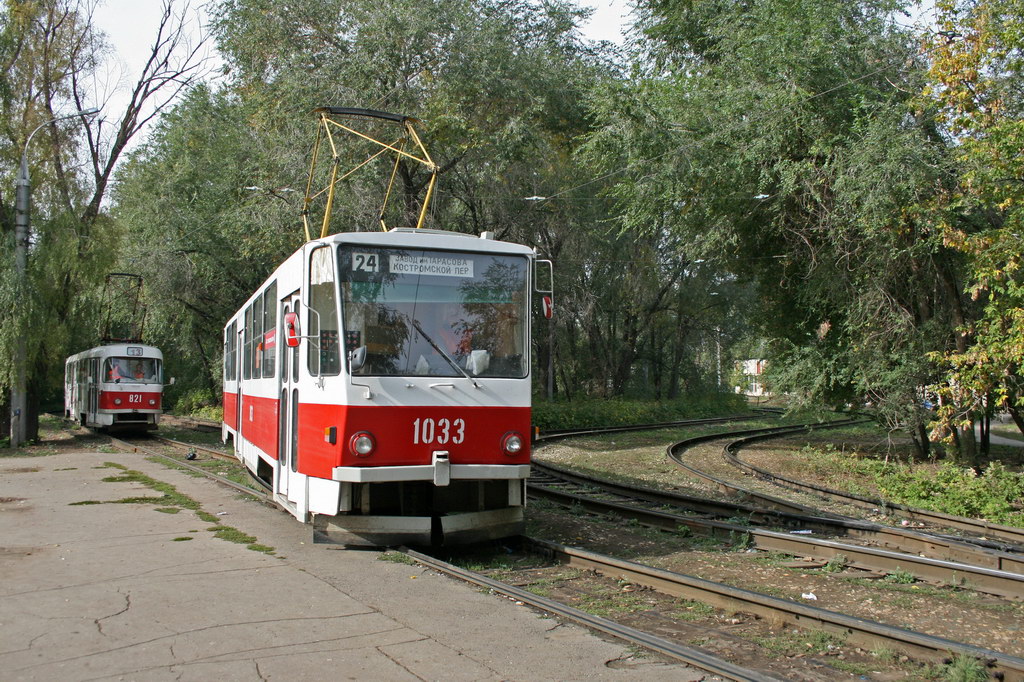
(440,431)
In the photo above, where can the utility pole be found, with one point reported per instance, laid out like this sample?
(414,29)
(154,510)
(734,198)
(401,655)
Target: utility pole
(22,236)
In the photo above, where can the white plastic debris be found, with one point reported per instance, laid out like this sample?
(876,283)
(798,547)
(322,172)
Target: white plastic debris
(809,595)
(800,532)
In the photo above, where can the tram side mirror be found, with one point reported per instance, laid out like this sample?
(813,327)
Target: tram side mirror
(90,380)
(291,330)
(171,382)
(356,359)
(478,362)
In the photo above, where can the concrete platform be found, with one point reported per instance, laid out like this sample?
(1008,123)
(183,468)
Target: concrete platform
(117,592)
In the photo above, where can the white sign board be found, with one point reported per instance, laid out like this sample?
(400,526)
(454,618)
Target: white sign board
(443,266)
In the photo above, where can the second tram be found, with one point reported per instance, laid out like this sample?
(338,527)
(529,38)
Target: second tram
(115,386)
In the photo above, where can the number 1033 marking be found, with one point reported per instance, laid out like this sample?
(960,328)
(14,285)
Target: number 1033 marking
(440,431)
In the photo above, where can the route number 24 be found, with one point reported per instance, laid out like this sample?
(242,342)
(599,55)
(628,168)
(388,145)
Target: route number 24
(440,431)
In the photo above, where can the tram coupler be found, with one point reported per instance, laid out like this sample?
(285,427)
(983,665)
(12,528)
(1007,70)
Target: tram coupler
(442,468)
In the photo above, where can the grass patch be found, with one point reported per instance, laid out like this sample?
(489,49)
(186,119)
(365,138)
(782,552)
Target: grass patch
(238,537)
(797,642)
(170,497)
(608,602)
(690,610)
(172,502)
(181,539)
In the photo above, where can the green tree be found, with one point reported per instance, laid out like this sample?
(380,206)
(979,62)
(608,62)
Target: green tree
(976,74)
(784,140)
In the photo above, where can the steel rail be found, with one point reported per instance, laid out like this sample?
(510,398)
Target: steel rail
(938,571)
(904,540)
(689,655)
(1007,533)
(557,434)
(1010,554)
(857,631)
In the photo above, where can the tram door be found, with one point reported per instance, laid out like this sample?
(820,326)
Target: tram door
(288,406)
(95,376)
(239,359)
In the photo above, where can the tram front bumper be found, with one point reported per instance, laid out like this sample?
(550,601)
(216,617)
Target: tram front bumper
(392,531)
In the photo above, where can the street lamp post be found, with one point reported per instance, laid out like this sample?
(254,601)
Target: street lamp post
(22,195)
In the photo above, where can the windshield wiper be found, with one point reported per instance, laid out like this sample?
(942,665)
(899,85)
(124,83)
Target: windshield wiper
(450,360)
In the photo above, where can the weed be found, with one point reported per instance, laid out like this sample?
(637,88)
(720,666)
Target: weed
(835,564)
(182,539)
(740,541)
(965,669)
(900,577)
(397,558)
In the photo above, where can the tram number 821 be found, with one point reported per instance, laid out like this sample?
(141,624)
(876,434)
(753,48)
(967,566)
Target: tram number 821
(441,431)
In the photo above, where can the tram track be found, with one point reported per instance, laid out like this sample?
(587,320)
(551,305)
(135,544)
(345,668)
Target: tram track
(854,630)
(975,568)
(1008,534)
(1010,542)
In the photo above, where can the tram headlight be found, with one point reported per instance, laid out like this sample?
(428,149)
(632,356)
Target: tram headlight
(362,444)
(152,401)
(117,401)
(511,444)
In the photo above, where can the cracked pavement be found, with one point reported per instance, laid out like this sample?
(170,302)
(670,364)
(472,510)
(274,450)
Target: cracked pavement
(121,591)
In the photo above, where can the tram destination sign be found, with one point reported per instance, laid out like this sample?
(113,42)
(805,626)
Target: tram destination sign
(443,266)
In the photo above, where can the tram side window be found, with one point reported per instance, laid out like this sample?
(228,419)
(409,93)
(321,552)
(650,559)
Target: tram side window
(257,337)
(229,352)
(323,358)
(269,329)
(247,345)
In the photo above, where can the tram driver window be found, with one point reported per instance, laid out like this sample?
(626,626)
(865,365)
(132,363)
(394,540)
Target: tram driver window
(324,357)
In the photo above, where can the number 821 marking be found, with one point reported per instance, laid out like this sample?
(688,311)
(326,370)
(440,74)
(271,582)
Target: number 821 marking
(440,431)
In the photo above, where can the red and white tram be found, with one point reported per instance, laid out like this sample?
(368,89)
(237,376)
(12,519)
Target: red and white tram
(115,386)
(379,383)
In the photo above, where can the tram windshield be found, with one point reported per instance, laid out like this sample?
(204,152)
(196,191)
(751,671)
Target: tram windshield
(133,370)
(413,312)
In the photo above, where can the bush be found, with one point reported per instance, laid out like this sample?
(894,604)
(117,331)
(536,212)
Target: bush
(960,491)
(622,412)
(198,402)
